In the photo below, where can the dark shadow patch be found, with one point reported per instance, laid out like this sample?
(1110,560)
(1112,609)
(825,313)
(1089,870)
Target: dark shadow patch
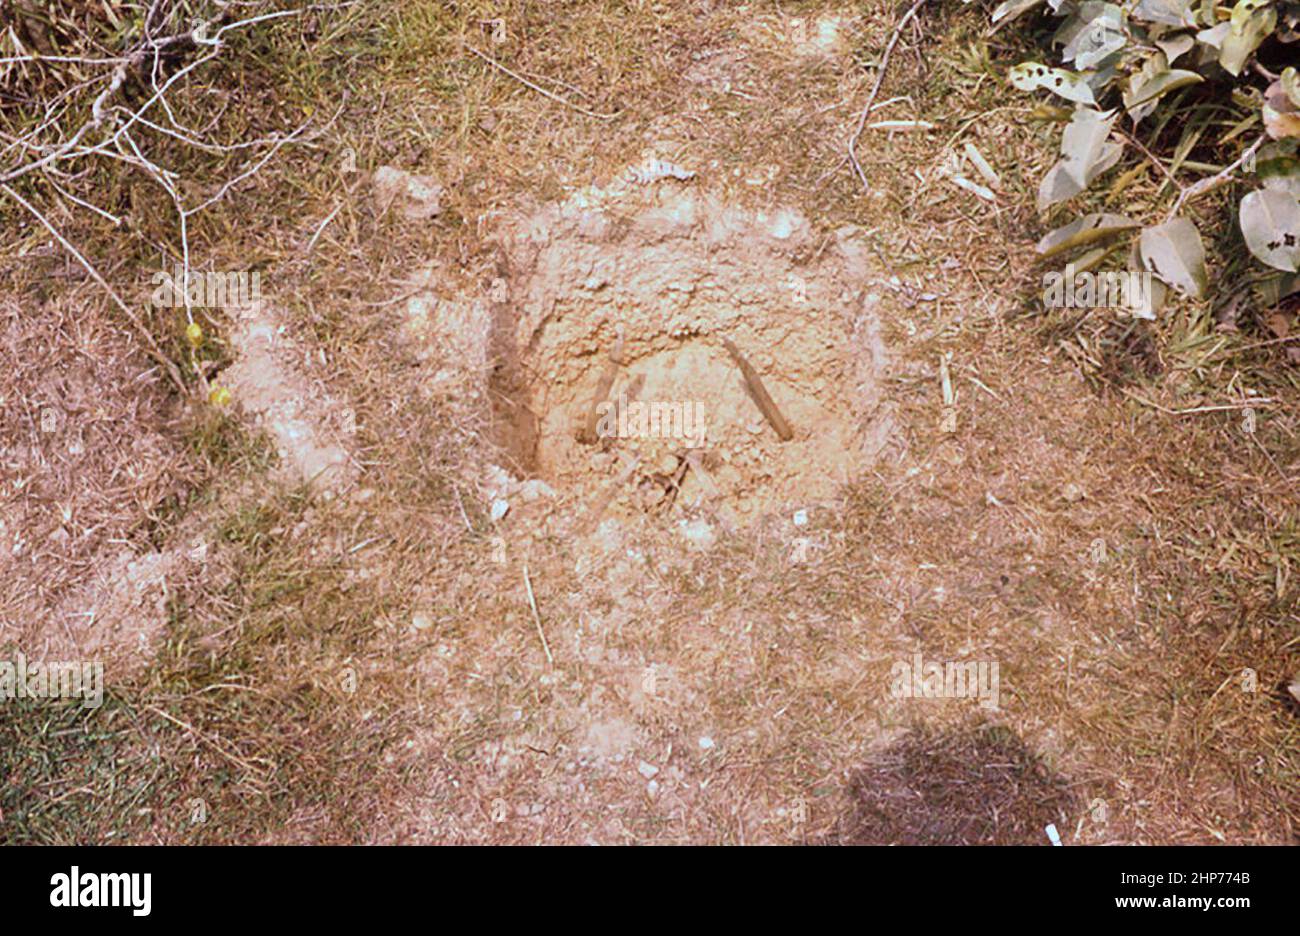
(1129,355)
(977,786)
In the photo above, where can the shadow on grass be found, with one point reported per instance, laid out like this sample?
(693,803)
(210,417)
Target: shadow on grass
(976,786)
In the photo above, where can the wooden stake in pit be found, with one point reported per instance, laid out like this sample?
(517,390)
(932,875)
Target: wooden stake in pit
(588,434)
(759,393)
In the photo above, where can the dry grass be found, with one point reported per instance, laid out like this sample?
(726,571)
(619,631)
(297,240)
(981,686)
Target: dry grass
(1120,679)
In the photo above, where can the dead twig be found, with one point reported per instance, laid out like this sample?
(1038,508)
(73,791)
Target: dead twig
(152,350)
(537,618)
(875,90)
(1151,157)
(1196,410)
(538,88)
(1214,181)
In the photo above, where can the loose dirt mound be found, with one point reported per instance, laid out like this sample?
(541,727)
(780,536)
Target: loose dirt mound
(269,379)
(654,282)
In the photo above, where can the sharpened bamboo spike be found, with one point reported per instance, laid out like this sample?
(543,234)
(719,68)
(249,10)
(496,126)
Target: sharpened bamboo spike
(588,433)
(759,393)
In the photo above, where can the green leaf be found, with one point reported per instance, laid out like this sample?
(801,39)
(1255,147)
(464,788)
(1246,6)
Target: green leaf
(1089,260)
(1175,46)
(1273,289)
(1278,166)
(1084,142)
(1086,153)
(1029,76)
(1270,222)
(1155,80)
(1156,291)
(1092,35)
(1291,85)
(1010,9)
(1281,115)
(1173,251)
(1214,36)
(1244,10)
(1245,34)
(1085,230)
(1169,12)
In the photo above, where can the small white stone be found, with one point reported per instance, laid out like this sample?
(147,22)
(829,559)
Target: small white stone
(698,532)
(500,507)
(646,770)
(421,621)
(706,743)
(800,518)
(535,489)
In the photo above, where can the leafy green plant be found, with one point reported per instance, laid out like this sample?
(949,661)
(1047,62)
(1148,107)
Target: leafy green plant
(1168,66)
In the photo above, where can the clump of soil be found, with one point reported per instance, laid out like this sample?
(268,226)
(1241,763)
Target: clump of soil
(657,277)
(269,381)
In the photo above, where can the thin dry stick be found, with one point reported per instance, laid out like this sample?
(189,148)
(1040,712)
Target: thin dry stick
(875,89)
(610,492)
(1139,145)
(98,109)
(233,758)
(537,618)
(1195,410)
(311,245)
(152,350)
(538,88)
(1286,479)
(1265,344)
(1214,181)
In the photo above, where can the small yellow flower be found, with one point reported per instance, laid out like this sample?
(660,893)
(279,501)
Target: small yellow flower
(194,334)
(219,396)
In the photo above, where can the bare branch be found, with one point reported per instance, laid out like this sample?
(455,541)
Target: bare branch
(875,90)
(152,346)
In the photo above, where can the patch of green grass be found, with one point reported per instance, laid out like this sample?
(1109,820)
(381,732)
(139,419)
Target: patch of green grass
(220,440)
(270,711)
(74,775)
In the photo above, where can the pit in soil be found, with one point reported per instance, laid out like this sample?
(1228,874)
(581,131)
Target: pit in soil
(657,281)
